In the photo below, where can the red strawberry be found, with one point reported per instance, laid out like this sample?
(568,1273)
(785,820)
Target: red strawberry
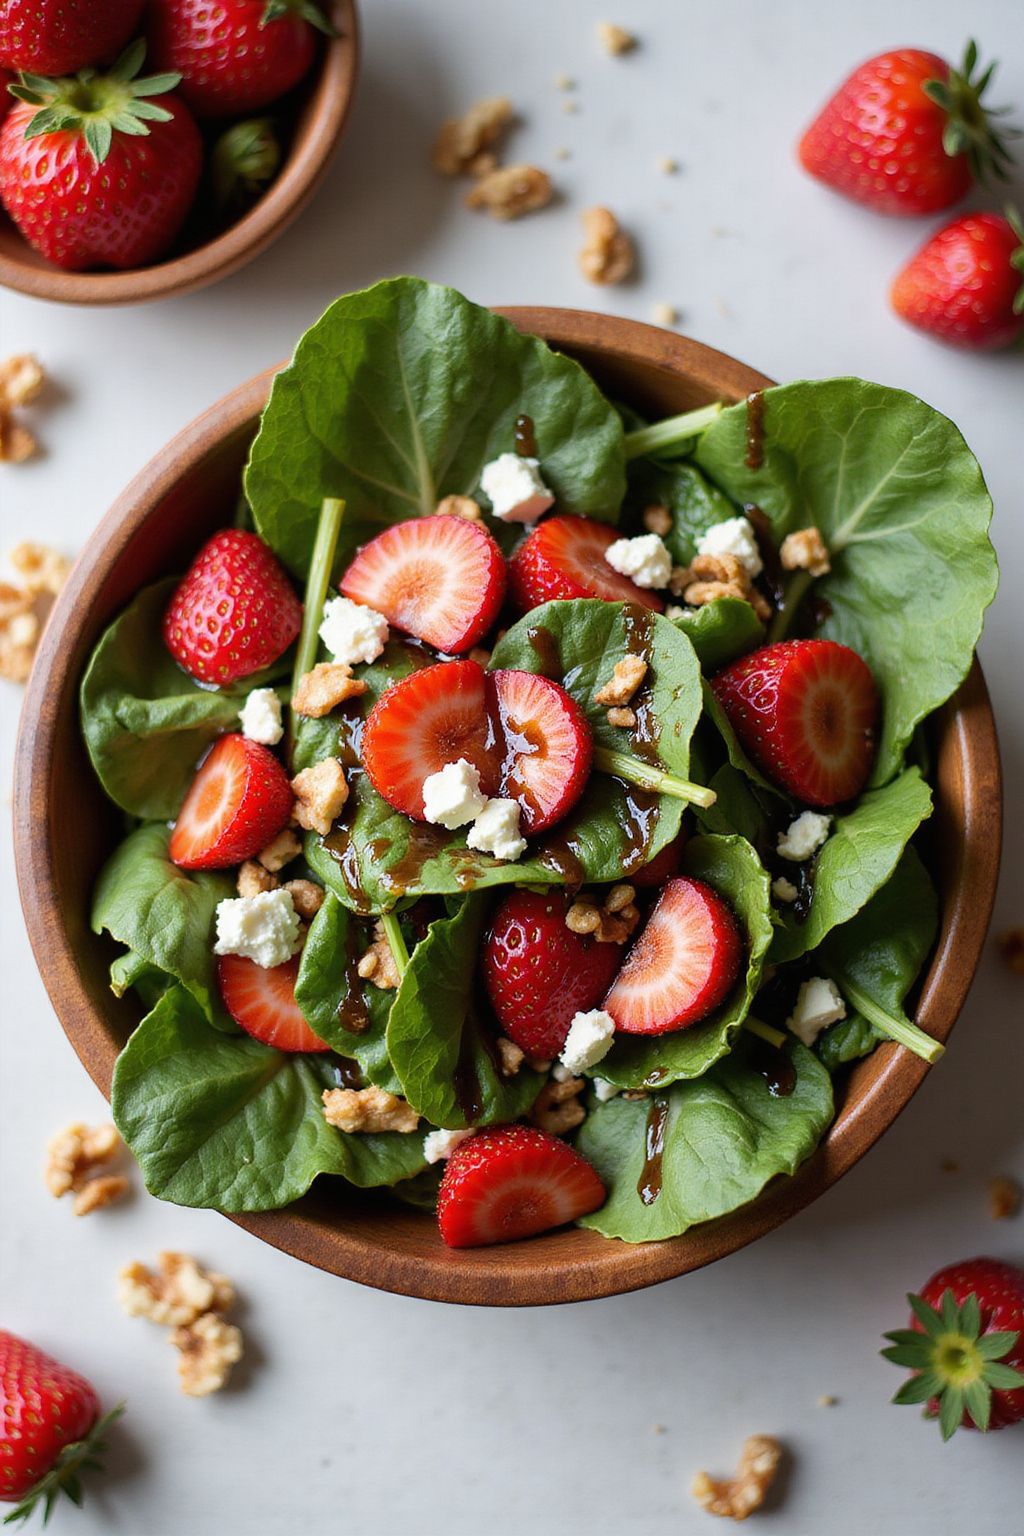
(564,558)
(662,867)
(806,711)
(59,37)
(548,747)
(50,1428)
(238,802)
(965,1344)
(234,612)
(6,99)
(262,1000)
(510,1183)
(538,973)
(235,55)
(682,966)
(93,171)
(905,134)
(966,284)
(441,579)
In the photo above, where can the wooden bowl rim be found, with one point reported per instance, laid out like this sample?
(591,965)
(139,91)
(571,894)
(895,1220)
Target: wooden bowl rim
(330,100)
(538,1272)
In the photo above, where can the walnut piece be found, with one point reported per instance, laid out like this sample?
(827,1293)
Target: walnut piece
(1004,1195)
(307,898)
(21,379)
(805,551)
(462,146)
(557,1108)
(629,673)
(657,519)
(738,1497)
(25,607)
(615,40)
(1011,947)
(510,191)
(253,879)
(624,718)
(323,688)
(320,792)
(510,1057)
(713,576)
(16,442)
(611,923)
(607,255)
(459,506)
(176,1293)
(75,1153)
(378,963)
(285,847)
(207,1349)
(371,1110)
(100,1192)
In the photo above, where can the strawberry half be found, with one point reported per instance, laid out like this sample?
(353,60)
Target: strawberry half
(238,802)
(441,579)
(234,612)
(682,966)
(564,558)
(538,973)
(547,742)
(262,1000)
(806,711)
(510,1183)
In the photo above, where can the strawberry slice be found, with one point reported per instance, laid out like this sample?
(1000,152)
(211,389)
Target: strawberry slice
(548,746)
(682,966)
(238,802)
(234,612)
(806,712)
(262,1000)
(564,558)
(441,579)
(510,1183)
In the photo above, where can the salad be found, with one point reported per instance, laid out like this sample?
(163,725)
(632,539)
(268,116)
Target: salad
(522,799)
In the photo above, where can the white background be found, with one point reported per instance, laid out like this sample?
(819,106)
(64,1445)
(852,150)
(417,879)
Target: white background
(364,1413)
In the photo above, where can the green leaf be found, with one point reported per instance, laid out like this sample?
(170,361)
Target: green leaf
(695,504)
(914,1355)
(723,1136)
(978,1402)
(232,1124)
(721,631)
(918,1389)
(992,1346)
(135,971)
(926,1315)
(901,503)
(970,1317)
(1005,1377)
(951,1411)
(351,1015)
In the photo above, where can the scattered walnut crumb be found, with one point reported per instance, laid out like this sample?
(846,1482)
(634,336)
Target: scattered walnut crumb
(75,1153)
(624,719)
(740,1496)
(463,144)
(176,1293)
(285,847)
(1011,947)
(100,1192)
(378,963)
(561,153)
(323,688)
(510,191)
(615,40)
(1004,1195)
(43,570)
(253,879)
(607,255)
(320,793)
(21,379)
(611,923)
(564,82)
(629,672)
(570,106)
(307,898)
(557,1107)
(510,1057)
(459,506)
(665,315)
(805,550)
(25,606)
(827,1400)
(659,1429)
(657,519)
(207,1349)
(667,166)
(16,442)
(713,576)
(371,1110)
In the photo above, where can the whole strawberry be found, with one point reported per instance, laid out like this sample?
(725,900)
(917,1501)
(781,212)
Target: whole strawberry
(235,55)
(965,1345)
(94,171)
(965,285)
(60,37)
(906,134)
(50,1428)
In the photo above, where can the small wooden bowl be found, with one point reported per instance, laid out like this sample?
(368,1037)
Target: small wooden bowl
(318,126)
(65,828)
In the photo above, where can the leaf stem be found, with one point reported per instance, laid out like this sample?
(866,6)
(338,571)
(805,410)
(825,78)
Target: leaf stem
(317,582)
(900,1030)
(673,432)
(396,942)
(645,776)
(796,590)
(776,1037)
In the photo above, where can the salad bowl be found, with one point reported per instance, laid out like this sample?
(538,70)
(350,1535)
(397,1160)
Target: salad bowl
(65,829)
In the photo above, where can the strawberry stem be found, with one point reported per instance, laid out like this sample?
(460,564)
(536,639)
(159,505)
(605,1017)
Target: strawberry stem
(672,433)
(776,1037)
(64,1476)
(900,1030)
(644,776)
(317,582)
(396,942)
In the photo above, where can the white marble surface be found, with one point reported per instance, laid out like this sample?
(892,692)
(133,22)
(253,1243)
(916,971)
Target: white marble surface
(367,1413)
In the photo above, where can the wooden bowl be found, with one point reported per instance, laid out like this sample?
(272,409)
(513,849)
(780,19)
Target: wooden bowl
(319,120)
(65,828)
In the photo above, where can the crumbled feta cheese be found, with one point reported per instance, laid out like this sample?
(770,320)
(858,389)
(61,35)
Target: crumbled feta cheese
(264,928)
(818,1004)
(261,717)
(514,488)
(804,836)
(496,830)
(784,890)
(352,632)
(438,1145)
(589,1039)
(679,611)
(735,536)
(645,560)
(453,796)
(561,1074)
(604,1090)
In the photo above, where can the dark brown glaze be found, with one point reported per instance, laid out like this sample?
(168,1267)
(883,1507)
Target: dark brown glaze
(559,853)
(772,580)
(526,440)
(346,1072)
(638,814)
(638,624)
(545,647)
(755,430)
(649,1183)
(776,1067)
(801,907)
(352,1011)
(469,1091)
(350,722)
(425,842)
(818,609)
(342,850)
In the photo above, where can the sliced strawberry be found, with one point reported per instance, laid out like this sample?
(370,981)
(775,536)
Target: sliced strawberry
(262,1000)
(239,801)
(564,558)
(662,867)
(441,579)
(538,973)
(682,966)
(510,1183)
(806,711)
(547,744)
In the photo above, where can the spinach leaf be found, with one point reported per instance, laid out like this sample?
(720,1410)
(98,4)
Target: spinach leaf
(849,1040)
(349,1014)
(230,1123)
(695,504)
(732,868)
(903,508)
(721,1138)
(399,395)
(131,970)
(721,631)
(164,914)
(443,1051)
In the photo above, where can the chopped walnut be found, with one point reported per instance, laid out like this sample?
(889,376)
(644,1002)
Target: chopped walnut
(43,570)
(16,442)
(557,1108)
(176,1293)
(624,718)
(320,793)
(1011,947)
(657,519)
(207,1348)
(75,1153)
(307,898)
(510,1057)
(805,551)
(329,684)
(665,315)
(378,963)
(607,255)
(25,607)
(629,673)
(615,40)
(510,191)
(459,506)
(21,379)
(713,576)
(463,143)
(612,923)
(619,897)
(1004,1196)
(100,1192)
(285,847)
(253,879)
(738,1497)
(371,1110)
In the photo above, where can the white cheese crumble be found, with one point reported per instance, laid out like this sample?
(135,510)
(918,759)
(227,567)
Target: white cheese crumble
(512,484)
(818,1004)
(264,928)
(784,890)
(680,611)
(589,1040)
(439,1145)
(604,1090)
(496,830)
(352,632)
(735,536)
(452,797)
(804,836)
(260,716)
(645,560)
